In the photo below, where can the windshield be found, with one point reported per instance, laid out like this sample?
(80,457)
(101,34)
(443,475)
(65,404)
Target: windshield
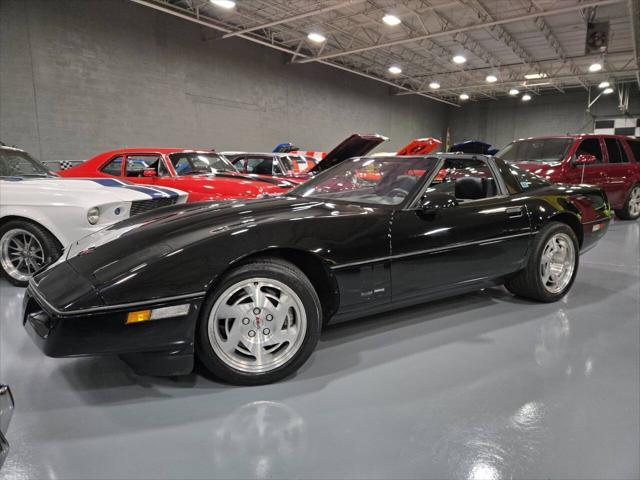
(15,163)
(373,180)
(192,163)
(543,150)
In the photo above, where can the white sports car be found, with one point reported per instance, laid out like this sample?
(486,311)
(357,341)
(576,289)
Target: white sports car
(42,213)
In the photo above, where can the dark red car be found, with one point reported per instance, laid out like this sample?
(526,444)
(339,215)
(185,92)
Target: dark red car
(203,175)
(609,161)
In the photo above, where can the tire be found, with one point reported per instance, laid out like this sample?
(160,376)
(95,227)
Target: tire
(248,341)
(631,207)
(533,281)
(43,247)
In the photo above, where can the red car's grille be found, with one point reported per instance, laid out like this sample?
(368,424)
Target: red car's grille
(142,206)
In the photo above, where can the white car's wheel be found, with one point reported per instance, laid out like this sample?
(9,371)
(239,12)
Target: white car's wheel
(25,248)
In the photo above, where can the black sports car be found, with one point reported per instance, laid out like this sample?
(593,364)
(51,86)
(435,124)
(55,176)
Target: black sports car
(247,286)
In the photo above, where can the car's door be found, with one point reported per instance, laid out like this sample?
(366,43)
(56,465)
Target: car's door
(618,171)
(479,239)
(592,173)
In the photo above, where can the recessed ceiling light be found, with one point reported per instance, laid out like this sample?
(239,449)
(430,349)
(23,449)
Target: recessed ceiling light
(226,4)
(607,91)
(535,76)
(459,59)
(595,67)
(491,78)
(526,97)
(464,96)
(391,20)
(316,37)
(434,85)
(604,84)
(514,91)
(395,70)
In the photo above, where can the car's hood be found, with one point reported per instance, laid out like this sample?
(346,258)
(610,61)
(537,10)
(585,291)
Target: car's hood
(356,145)
(94,190)
(420,146)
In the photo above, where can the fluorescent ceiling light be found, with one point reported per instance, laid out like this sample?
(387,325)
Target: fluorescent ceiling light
(434,85)
(595,67)
(226,4)
(514,91)
(316,37)
(459,59)
(604,84)
(491,78)
(526,97)
(391,20)
(535,76)
(464,96)
(395,70)
(607,91)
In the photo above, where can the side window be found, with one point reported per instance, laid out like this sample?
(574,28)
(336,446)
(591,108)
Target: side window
(616,153)
(260,165)
(466,179)
(277,168)
(590,146)
(136,164)
(509,177)
(240,163)
(527,180)
(635,148)
(114,167)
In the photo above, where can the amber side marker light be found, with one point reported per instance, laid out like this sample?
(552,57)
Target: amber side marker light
(157,313)
(140,316)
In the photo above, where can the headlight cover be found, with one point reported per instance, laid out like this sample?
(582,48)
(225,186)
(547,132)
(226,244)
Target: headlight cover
(93,215)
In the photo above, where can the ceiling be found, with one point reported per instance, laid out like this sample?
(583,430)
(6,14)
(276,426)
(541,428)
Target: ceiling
(504,38)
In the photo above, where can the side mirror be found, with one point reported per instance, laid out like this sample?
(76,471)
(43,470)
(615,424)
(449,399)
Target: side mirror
(434,202)
(585,159)
(149,172)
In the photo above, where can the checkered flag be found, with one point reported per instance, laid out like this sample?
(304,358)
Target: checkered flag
(65,164)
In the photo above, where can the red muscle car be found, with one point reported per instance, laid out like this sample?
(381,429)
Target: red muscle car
(203,175)
(609,161)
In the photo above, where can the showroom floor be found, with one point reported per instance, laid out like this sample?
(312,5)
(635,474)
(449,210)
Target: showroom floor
(480,386)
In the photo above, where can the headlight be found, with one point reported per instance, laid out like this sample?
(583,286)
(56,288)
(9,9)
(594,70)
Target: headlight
(93,215)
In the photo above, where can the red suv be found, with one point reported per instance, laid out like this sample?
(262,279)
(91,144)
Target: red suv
(609,161)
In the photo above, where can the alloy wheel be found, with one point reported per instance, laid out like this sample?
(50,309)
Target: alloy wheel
(21,254)
(634,201)
(557,263)
(257,325)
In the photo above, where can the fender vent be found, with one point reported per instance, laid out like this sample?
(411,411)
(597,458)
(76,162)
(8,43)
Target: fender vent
(142,206)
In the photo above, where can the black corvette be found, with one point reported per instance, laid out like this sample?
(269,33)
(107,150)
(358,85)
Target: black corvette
(247,286)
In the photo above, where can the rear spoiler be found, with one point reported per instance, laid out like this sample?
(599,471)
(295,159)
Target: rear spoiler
(355,145)
(420,146)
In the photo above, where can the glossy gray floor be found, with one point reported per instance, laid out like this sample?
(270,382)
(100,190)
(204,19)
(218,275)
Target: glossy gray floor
(480,386)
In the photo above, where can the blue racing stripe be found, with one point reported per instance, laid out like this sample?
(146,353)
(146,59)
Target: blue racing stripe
(153,192)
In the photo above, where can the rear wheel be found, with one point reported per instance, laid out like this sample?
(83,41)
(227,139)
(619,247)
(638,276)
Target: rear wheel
(260,324)
(25,248)
(552,265)
(631,208)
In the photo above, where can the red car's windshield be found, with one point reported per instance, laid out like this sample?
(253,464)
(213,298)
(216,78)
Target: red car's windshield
(194,163)
(374,180)
(543,150)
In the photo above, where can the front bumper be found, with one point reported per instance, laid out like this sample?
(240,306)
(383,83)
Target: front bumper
(6,412)
(155,347)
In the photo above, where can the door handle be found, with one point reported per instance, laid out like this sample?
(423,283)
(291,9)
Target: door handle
(515,212)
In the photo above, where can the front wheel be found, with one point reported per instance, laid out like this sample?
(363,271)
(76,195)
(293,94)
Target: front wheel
(25,248)
(552,265)
(631,207)
(260,324)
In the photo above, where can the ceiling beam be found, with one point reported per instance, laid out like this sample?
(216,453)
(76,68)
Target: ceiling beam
(454,31)
(634,16)
(205,23)
(292,18)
